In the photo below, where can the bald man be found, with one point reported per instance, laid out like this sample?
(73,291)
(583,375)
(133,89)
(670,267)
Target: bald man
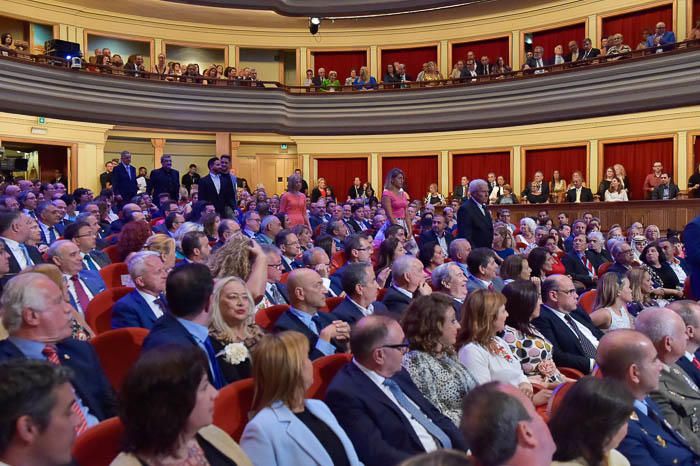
(502,427)
(660,38)
(630,357)
(306,296)
(677,396)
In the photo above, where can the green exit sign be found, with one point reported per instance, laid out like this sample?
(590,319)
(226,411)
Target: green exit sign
(41,120)
(283,146)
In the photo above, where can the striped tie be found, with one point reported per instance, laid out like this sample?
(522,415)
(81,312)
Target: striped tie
(50,352)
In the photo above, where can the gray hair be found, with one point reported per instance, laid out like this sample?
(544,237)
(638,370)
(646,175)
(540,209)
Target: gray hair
(530,224)
(42,206)
(402,265)
(308,255)
(615,248)
(474,185)
(136,262)
(83,217)
(56,246)
(186,228)
(443,273)
(657,323)
(270,248)
(267,221)
(596,235)
(20,293)
(455,245)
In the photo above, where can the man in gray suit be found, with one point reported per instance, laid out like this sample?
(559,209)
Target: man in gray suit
(483,271)
(677,395)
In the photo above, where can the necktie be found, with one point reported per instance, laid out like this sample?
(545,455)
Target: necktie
(588,349)
(491,288)
(50,352)
(696,363)
(52,235)
(588,265)
(29,260)
(418,415)
(80,293)
(277,296)
(218,377)
(160,302)
(91,265)
(128,172)
(316,319)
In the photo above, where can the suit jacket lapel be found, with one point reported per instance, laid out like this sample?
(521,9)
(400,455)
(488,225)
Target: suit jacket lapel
(300,433)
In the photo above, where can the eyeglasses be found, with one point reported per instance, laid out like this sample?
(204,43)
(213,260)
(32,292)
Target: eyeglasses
(569,292)
(402,347)
(368,248)
(86,235)
(276,266)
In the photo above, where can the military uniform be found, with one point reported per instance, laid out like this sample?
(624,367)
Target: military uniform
(679,400)
(651,441)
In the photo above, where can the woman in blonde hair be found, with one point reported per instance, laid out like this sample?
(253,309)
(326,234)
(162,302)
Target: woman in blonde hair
(243,258)
(486,355)
(610,308)
(233,330)
(282,373)
(365,81)
(642,288)
(165,246)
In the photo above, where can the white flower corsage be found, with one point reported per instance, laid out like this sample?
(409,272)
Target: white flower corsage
(235,353)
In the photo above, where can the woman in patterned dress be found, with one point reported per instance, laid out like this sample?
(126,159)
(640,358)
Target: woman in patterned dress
(431,329)
(527,344)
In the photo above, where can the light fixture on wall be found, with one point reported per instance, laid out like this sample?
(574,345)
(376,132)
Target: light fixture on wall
(314,24)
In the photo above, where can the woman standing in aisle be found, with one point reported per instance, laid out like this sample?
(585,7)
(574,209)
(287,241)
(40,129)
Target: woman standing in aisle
(293,203)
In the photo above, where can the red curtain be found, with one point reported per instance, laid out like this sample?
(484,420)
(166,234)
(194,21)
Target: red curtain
(492,48)
(340,173)
(342,62)
(631,25)
(695,16)
(479,165)
(419,173)
(638,157)
(412,58)
(565,159)
(559,36)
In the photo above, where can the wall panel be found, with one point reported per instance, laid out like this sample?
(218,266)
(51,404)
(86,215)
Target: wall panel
(492,48)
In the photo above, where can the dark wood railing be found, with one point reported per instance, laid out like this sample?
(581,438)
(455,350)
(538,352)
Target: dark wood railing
(200,80)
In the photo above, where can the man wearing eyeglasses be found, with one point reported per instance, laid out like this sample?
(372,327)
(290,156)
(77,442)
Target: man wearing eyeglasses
(289,244)
(275,292)
(624,258)
(83,235)
(566,326)
(356,248)
(379,407)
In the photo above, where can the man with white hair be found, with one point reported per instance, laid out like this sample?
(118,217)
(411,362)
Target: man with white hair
(596,252)
(408,279)
(146,304)
(83,284)
(474,220)
(677,395)
(269,228)
(39,323)
(660,38)
(448,278)
(690,313)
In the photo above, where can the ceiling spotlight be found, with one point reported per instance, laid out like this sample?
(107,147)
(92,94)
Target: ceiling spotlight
(314,24)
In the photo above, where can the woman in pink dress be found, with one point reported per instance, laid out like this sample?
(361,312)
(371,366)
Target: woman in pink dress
(293,203)
(394,199)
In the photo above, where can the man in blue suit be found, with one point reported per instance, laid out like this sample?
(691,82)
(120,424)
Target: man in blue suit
(49,219)
(361,289)
(630,357)
(38,321)
(660,38)
(83,284)
(690,313)
(165,179)
(124,179)
(188,289)
(382,411)
(692,254)
(146,304)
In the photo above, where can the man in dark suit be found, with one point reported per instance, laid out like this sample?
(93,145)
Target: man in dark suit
(188,290)
(83,235)
(357,221)
(630,357)
(536,191)
(307,295)
(289,246)
(124,179)
(567,327)
(275,292)
(172,222)
(596,252)
(578,193)
(83,284)
(574,52)
(408,278)
(385,415)
(165,179)
(483,271)
(437,234)
(49,220)
(135,68)
(692,254)
(318,79)
(15,230)
(146,304)
(621,251)
(469,71)
(190,178)
(537,60)
(577,265)
(40,328)
(106,176)
(460,192)
(361,289)
(666,190)
(218,190)
(690,313)
(474,221)
(356,248)
(588,50)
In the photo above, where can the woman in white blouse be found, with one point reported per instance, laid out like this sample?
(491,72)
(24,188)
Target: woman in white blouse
(615,193)
(486,355)
(610,308)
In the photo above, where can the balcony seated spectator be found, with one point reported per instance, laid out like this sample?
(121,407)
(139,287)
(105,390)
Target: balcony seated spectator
(578,192)
(666,190)
(134,67)
(365,81)
(537,191)
(469,72)
(661,38)
(618,47)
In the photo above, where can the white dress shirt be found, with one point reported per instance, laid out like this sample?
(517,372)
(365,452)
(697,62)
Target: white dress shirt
(424,436)
(366,311)
(217,182)
(151,301)
(71,290)
(17,252)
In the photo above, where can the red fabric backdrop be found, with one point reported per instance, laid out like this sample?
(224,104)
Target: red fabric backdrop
(565,159)
(412,58)
(419,171)
(339,174)
(492,48)
(696,14)
(341,62)
(479,165)
(637,157)
(559,36)
(631,25)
